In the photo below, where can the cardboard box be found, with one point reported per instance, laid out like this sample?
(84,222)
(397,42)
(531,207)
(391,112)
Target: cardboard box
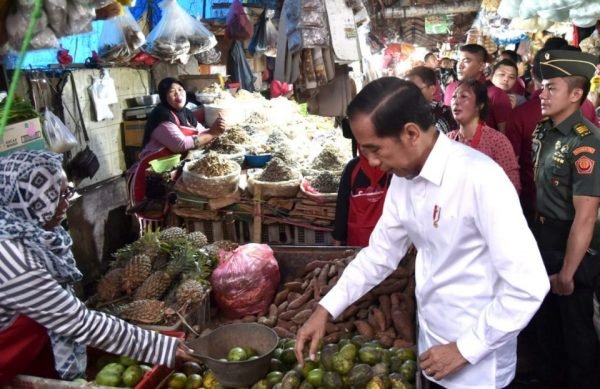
(133,132)
(22,135)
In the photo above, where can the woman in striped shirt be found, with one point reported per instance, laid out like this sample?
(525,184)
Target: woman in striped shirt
(44,328)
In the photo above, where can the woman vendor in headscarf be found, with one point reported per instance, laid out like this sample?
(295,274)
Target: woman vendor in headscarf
(44,328)
(171,129)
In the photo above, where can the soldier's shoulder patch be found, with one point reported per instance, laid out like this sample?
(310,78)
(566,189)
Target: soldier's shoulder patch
(584,165)
(584,149)
(581,129)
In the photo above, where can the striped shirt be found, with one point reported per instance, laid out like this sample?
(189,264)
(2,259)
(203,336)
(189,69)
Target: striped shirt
(27,288)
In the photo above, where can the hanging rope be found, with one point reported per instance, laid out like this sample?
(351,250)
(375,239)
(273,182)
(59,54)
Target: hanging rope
(37,12)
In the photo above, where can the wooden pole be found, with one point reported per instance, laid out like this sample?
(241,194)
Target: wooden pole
(258,216)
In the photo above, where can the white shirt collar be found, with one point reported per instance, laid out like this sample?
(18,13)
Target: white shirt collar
(435,165)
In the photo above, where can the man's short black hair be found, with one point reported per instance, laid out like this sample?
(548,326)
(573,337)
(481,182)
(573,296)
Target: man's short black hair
(427,75)
(555,43)
(390,103)
(512,55)
(428,55)
(505,62)
(476,49)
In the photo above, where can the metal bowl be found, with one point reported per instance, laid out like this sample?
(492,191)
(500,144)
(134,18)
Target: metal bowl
(143,101)
(214,346)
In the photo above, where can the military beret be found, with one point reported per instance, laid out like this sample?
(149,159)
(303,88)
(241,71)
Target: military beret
(563,63)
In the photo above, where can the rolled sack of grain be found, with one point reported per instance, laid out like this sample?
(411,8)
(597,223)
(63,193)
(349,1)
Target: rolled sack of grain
(212,176)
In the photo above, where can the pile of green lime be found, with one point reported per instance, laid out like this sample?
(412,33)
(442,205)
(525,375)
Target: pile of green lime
(239,353)
(124,372)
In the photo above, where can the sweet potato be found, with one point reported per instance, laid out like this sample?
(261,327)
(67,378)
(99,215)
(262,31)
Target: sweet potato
(284,324)
(287,315)
(315,265)
(401,343)
(333,337)
(333,271)
(364,329)
(322,278)
(316,289)
(273,311)
(395,300)
(312,304)
(385,305)
(333,281)
(365,304)
(379,319)
(302,316)
(300,301)
(283,306)
(347,326)
(385,340)
(293,286)
(281,297)
(283,333)
(293,296)
(368,297)
(249,319)
(404,325)
(362,314)
(371,320)
(267,321)
(390,285)
(331,327)
(349,312)
(306,282)
(407,303)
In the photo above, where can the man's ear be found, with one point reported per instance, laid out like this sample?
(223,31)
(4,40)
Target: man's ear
(575,95)
(411,132)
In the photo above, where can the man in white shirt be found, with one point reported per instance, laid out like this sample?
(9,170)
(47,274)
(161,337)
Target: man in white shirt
(479,274)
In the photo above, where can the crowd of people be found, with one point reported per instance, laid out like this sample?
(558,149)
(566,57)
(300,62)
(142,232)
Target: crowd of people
(504,243)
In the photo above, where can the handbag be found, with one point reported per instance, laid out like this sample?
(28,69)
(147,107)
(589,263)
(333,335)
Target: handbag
(85,163)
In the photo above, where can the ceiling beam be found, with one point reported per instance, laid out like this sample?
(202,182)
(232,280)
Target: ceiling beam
(427,10)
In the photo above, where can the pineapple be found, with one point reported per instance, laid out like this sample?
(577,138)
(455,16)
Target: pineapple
(184,259)
(190,292)
(154,286)
(198,239)
(149,244)
(109,286)
(143,311)
(136,272)
(173,233)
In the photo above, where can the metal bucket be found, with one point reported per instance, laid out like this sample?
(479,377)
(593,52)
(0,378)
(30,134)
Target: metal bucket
(214,346)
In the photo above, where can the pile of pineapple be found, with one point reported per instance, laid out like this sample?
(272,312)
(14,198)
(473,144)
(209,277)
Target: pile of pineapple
(159,278)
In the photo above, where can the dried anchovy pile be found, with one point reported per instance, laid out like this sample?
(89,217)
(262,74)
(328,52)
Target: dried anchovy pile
(235,135)
(221,147)
(276,137)
(326,182)
(213,165)
(286,154)
(277,170)
(330,158)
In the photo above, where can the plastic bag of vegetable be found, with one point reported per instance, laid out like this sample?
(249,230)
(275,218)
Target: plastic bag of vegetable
(245,280)
(121,38)
(178,35)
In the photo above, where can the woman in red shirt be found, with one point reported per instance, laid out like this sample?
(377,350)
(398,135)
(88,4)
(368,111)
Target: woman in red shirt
(469,107)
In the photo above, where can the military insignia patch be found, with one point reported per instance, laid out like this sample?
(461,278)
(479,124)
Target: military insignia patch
(555,181)
(585,165)
(581,129)
(584,149)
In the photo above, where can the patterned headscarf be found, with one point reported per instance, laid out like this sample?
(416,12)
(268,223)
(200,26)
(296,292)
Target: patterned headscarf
(30,184)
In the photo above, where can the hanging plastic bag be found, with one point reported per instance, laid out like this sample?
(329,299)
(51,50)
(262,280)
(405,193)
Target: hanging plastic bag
(245,280)
(237,25)
(238,67)
(258,44)
(271,35)
(121,38)
(178,35)
(103,93)
(58,137)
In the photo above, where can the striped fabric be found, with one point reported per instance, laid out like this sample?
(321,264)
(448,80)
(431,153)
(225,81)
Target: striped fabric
(27,288)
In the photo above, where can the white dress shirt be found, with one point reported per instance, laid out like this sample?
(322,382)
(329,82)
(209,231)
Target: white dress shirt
(479,274)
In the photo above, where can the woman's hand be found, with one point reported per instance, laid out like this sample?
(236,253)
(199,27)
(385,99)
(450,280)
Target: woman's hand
(184,354)
(218,127)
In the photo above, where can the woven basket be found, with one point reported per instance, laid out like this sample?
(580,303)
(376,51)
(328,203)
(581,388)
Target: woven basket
(211,187)
(288,188)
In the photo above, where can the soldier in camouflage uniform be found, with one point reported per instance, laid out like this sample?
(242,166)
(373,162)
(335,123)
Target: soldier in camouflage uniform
(566,151)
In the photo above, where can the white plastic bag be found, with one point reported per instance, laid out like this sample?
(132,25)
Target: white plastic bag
(58,136)
(178,35)
(103,93)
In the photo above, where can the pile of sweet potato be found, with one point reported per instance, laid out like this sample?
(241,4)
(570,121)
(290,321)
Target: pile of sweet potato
(386,313)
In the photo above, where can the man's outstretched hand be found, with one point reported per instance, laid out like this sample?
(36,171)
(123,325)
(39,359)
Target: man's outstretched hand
(313,330)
